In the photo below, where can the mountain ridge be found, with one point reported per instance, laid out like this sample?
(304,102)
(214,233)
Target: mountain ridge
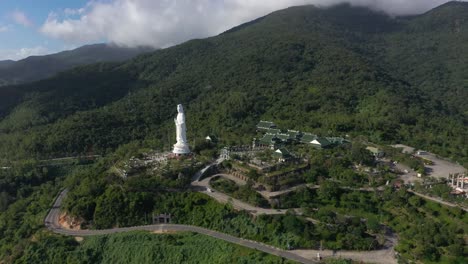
(303,67)
(34,68)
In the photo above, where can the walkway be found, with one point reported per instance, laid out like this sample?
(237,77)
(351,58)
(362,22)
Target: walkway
(269,195)
(53,224)
(384,256)
(200,173)
(203,186)
(438,200)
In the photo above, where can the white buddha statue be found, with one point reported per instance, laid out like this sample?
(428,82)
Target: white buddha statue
(181,147)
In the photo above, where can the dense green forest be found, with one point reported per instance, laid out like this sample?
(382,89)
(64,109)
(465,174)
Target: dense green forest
(338,71)
(36,68)
(144,248)
(427,231)
(243,193)
(342,70)
(103,200)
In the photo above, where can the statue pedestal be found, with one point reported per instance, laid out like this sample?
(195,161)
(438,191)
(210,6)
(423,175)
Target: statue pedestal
(181,149)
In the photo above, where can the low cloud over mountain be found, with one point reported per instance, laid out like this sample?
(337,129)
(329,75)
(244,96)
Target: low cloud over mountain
(164,23)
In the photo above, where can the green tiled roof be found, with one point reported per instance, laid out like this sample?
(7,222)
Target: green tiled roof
(265,125)
(322,142)
(273,131)
(274,135)
(308,138)
(268,139)
(293,134)
(283,137)
(282,152)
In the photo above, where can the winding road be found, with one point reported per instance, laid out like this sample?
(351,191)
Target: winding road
(203,186)
(383,256)
(438,200)
(53,224)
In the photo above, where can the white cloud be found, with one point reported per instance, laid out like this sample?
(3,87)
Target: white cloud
(398,7)
(21,18)
(21,53)
(162,23)
(4,28)
(73,12)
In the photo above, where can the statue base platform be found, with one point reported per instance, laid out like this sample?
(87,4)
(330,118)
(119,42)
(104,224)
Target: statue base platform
(181,149)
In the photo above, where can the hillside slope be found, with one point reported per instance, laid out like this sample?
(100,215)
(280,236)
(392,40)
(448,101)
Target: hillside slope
(5,63)
(336,71)
(40,67)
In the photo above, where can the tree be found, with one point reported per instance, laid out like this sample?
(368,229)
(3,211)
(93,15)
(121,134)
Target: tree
(253,174)
(361,155)
(328,191)
(373,224)
(415,201)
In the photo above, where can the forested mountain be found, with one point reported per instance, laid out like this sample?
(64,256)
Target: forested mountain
(337,71)
(39,67)
(5,63)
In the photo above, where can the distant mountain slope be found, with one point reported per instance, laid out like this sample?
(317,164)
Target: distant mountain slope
(337,71)
(6,63)
(40,67)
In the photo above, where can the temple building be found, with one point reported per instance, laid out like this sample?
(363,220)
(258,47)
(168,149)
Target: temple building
(274,138)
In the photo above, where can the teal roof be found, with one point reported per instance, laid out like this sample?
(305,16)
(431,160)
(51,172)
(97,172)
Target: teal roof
(293,134)
(282,152)
(284,137)
(274,135)
(308,138)
(273,131)
(269,139)
(322,142)
(265,125)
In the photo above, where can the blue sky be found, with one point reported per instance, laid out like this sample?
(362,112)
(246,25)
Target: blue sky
(38,27)
(22,35)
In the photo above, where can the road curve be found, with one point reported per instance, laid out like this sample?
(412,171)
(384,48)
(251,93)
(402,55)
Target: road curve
(52,223)
(438,200)
(204,187)
(384,256)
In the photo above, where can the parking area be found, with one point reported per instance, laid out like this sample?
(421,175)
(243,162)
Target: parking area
(440,168)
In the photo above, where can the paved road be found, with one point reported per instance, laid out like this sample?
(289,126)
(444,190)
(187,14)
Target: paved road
(265,194)
(204,187)
(239,205)
(200,173)
(236,180)
(438,200)
(384,256)
(269,195)
(441,167)
(73,157)
(53,224)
